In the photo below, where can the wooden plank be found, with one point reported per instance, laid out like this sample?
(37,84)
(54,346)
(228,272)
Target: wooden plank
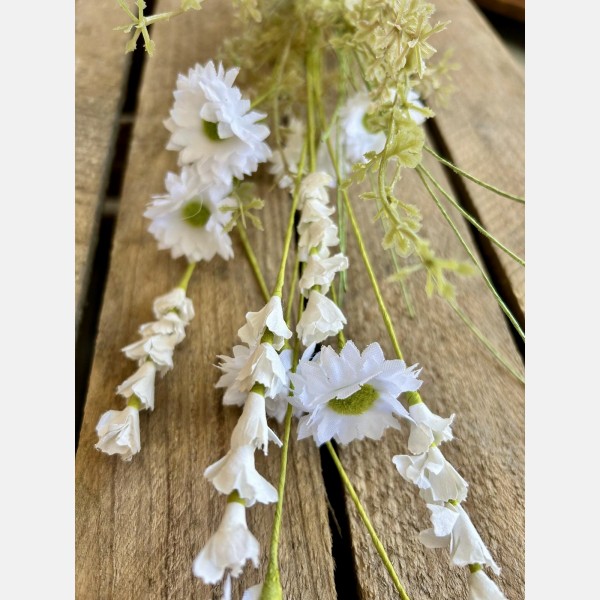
(101,69)
(140,524)
(482,127)
(459,377)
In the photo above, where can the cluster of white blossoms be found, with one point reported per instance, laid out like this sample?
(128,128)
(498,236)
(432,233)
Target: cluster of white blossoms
(317,234)
(218,138)
(257,376)
(119,430)
(443,489)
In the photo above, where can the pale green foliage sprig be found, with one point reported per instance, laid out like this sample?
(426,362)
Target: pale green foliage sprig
(141,22)
(245,208)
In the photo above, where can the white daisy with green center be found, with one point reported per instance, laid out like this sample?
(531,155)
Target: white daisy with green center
(213,127)
(351,395)
(189,220)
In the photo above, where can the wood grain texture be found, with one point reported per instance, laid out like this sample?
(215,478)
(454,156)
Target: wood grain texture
(482,127)
(101,69)
(140,524)
(459,377)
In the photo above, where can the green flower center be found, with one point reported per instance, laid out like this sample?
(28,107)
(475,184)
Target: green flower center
(356,404)
(195,213)
(211,130)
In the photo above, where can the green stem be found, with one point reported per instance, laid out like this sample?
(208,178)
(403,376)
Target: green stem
(472,256)
(288,309)
(185,280)
(253,262)
(367,522)
(471,220)
(487,186)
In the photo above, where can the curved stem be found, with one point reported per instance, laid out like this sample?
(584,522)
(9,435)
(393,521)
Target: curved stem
(466,175)
(253,262)
(367,522)
(185,280)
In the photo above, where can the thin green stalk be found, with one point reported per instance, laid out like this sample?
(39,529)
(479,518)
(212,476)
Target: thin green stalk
(471,220)
(472,256)
(185,280)
(311,129)
(466,175)
(367,522)
(486,342)
(288,308)
(253,261)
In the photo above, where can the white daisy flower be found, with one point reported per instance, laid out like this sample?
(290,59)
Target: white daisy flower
(357,139)
(229,548)
(427,428)
(284,162)
(253,593)
(481,587)
(321,318)
(321,271)
(175,300)
(452,529)
(251,428)
(263,366)
(119,432)
(189,221)
(351,395)
(269,317)
(141,385)
(236,471)
(432,472)
(212,128)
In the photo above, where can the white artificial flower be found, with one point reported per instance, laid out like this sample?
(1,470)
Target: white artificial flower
(263,366)
(212,128)
(321,318)
(313,210)
(231,367)
(229,548)
(189,221)
(417,116)
(141,385)
(159,339)
(351,395)
(236,471)
(319,236)
(284,162)
(321,271)
(119,432)
(357,139)
(314,187)
(175,300)
(481,587)
(427,428)
(432,472)
(253,593)
(269,317)
(452,529)
(277,406)
(251,428)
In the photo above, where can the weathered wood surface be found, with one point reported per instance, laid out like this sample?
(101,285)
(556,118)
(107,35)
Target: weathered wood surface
(139,525)
(483,128)
(101,69)
(460,377)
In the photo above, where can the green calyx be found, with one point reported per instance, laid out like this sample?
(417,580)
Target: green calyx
(134,402)
(195,213)
(211,130)
(357,403)
(475,567)
(235,497)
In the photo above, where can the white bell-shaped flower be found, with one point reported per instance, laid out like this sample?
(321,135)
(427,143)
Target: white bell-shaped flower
(313,211)
(264,366)
(229,548)
(321,271)
(481,587)
(452,529)
(174,300)
(314,187)
(269,317)
(430,471)
(321,318)
(253,593)
(319,235)
(236,471)
(427,428)
(251,428)
(141,385)
(119,432)
(231,367)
